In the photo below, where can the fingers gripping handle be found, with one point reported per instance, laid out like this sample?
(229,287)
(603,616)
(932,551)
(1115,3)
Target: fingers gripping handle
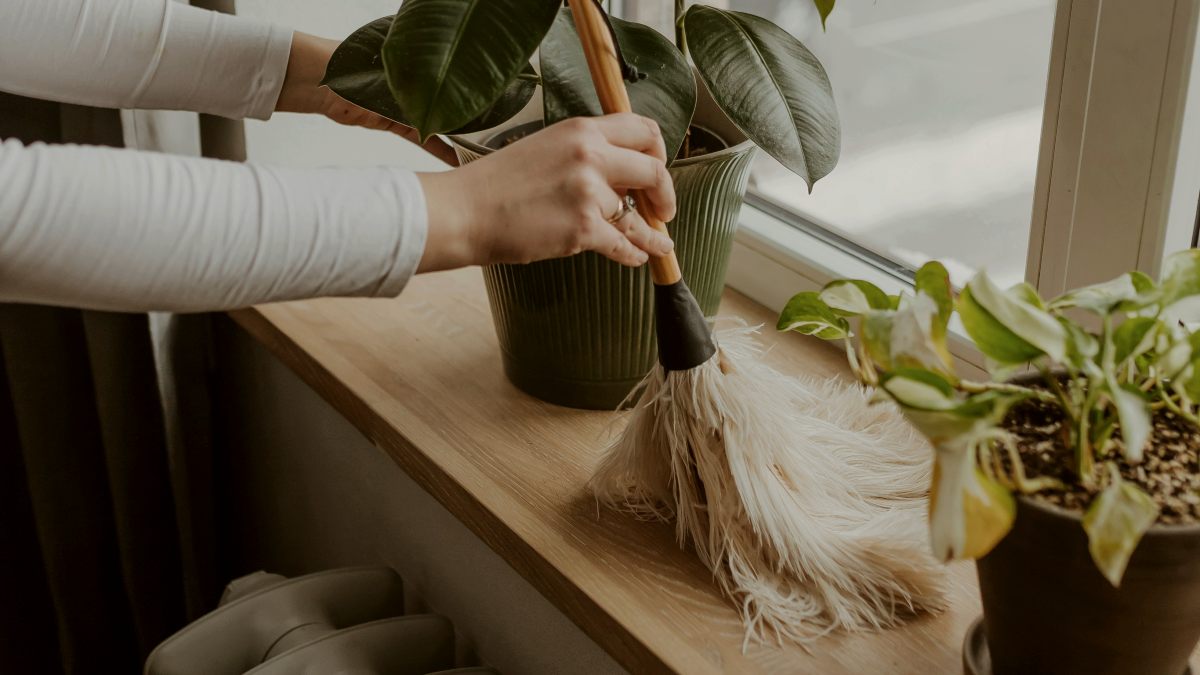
(610,87)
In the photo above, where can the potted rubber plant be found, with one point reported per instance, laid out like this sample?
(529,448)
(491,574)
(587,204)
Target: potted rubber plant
(1071,474)
(579,331)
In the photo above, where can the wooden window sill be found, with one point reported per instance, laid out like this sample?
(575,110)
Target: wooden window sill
(421,377)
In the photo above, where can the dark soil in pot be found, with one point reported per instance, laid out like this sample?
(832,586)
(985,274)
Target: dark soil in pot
(1047,609)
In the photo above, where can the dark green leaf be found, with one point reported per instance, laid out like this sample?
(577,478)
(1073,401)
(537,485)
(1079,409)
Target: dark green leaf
(667,94)
(805,313)
(355,72)
(825,7)
(770,85)
(448,61)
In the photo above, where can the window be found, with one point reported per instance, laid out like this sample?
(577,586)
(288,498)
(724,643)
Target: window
(1044,140)
(941,106)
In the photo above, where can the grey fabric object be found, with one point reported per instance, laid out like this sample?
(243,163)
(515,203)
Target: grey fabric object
(88,524)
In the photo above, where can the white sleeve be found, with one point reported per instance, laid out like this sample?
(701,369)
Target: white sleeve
(156,54)
(135,231)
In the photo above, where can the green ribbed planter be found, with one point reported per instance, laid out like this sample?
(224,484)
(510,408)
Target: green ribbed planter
(579,331)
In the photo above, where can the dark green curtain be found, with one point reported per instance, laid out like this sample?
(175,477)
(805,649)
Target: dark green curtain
(90,545)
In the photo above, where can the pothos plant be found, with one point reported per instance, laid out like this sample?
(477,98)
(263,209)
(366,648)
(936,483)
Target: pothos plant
(459,66)
(1107,356)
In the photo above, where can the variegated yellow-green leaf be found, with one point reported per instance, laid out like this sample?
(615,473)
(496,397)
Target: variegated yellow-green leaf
(1115,523)
(1101,298)
(877,337)
(934,281)
(994,318)
(921,389)
(968,512)
(1175,359)
(1133,337)
(853,297)
(1082,347)
(1180,276)
(807,314)
(1133,415)
(918,337)
(993,338)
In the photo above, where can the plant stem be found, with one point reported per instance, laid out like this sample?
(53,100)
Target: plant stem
(530,77)
(1083,444)
(1165,397)
(1064,400)
(1006,387)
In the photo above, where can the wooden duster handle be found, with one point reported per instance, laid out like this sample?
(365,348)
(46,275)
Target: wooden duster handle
(610,87)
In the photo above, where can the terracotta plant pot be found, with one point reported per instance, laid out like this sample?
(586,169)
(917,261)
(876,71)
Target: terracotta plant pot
(579,331)
(1047,609)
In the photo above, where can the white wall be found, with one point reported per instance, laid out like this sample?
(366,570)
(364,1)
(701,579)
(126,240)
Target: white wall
(308,492)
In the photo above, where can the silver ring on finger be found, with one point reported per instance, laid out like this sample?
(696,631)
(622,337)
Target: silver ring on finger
(623,209)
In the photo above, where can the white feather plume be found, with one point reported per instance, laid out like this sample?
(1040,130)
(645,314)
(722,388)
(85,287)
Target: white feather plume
(807,503)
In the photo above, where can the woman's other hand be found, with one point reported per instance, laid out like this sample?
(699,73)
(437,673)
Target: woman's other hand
(552,194)
(302,92)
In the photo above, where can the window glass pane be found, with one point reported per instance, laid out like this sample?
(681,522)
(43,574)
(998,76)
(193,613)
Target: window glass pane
(941,106)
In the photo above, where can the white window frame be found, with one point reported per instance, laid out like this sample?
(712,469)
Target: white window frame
(1107,169)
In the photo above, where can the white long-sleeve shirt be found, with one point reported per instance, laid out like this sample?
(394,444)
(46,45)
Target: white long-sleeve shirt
(135,231)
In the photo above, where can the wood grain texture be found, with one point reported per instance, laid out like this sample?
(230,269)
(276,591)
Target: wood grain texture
(421,377)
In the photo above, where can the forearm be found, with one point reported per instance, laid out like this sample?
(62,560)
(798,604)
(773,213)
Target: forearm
(128,231)
(155,54)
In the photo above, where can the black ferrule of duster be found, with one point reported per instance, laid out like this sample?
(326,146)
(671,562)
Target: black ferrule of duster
(684,338)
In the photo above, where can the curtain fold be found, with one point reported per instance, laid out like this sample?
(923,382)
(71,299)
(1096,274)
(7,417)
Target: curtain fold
(89,524)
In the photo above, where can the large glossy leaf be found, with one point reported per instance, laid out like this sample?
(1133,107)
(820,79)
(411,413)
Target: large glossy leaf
(448,61)
(667,93)
(355,72)
(1115,523)
(770,85)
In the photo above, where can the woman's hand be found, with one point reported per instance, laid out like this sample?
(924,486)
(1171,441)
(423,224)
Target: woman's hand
(302,92)
(552,194)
